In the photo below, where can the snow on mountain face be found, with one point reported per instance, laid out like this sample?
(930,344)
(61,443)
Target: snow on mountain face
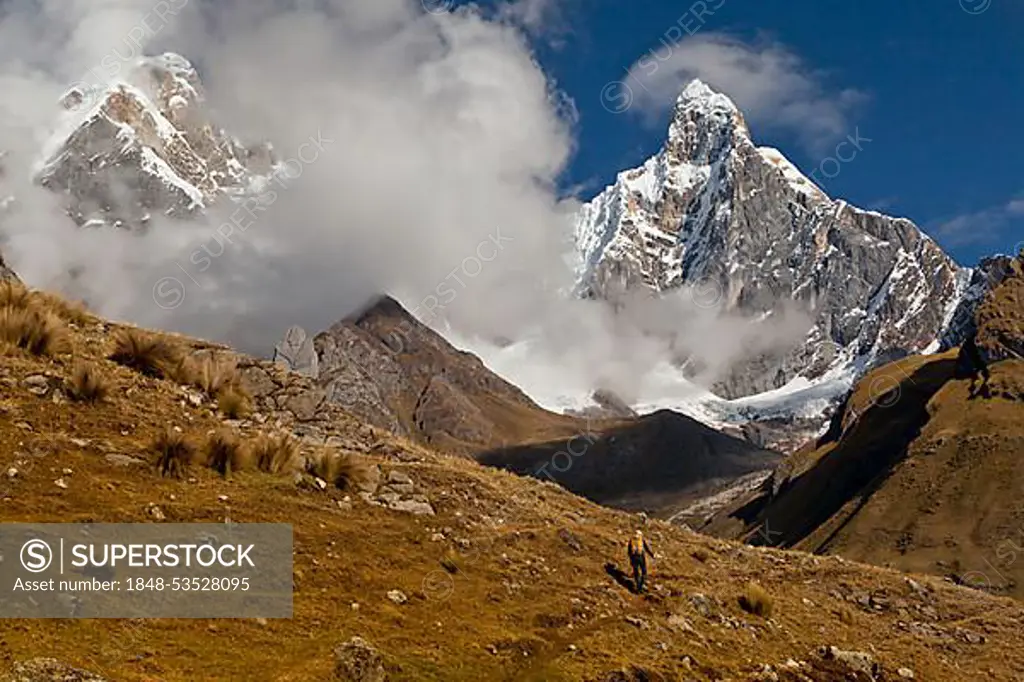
(713,209)
(145,144)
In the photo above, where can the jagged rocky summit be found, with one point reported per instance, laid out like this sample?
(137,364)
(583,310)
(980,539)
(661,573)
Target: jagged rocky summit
(714,210)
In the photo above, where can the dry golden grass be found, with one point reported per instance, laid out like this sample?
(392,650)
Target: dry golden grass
(87,384)
(174,453)
(357,555)
(35,331)
(210,374)
(275,454)
(149,354)
(226,453)
(756,600)
(15,295)
(340,469)
(233,403)
(74,312)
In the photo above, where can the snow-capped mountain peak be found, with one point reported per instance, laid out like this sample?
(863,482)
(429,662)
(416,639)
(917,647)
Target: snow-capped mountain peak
(712,208)
(142,143)
(703,123)
(699,95)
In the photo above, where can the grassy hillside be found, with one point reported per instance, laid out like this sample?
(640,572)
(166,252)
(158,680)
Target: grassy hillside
(509,580)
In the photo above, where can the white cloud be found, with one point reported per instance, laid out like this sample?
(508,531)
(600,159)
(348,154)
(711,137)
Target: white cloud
(986,226)
(447,136)
(771,85)
(538,17)
(445,131)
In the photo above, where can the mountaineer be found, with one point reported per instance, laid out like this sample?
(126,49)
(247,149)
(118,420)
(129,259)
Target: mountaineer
(637,547)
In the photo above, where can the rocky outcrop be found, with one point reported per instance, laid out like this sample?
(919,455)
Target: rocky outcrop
(999,319)
(297,353)
(48,670)
(716,212)
(6,274)
(400,493)
(294,402)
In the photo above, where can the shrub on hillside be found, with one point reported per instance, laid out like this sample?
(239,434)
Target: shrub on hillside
(17,295)
(149,354)
(174,453)
(87,384)
(33,330)
(275,454)
(14,295)
(756,600)
(233,403)
(341,469)
(75,312)
(210,374)
(226,453)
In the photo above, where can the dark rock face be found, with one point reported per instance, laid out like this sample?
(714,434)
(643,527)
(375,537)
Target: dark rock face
(660,462)
(752,234)
(607,405)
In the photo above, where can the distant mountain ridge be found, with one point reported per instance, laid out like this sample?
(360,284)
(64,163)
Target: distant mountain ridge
(711,210)
(389,369)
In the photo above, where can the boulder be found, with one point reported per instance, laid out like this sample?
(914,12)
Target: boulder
(855,662)
(413,507)
(305,406)
(297,353)
(358,661)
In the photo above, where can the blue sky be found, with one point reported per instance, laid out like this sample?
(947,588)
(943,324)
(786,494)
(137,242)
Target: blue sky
(937,86)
